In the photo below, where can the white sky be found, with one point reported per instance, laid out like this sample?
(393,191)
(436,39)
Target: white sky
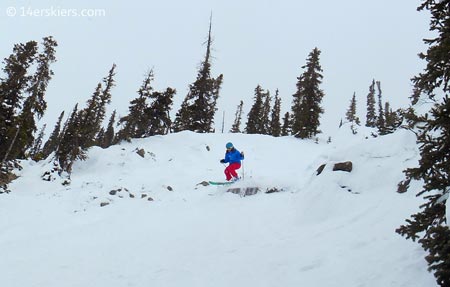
(255,42)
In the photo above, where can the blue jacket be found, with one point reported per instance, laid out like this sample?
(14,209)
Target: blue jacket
(233,156)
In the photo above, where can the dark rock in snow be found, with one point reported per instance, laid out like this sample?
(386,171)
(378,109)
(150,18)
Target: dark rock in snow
(320,169)
(141,152)
(343,166)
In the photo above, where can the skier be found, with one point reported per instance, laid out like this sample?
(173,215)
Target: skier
(233,157)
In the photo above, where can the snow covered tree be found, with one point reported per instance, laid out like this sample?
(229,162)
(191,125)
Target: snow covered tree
(351,115)
(306,107)
(255,121)
(371,117)
(429,224)
(199,106)
(275,125)
(236,127)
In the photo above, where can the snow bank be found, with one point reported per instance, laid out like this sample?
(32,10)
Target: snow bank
(335,229)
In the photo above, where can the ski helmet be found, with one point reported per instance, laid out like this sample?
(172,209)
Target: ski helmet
(229,145)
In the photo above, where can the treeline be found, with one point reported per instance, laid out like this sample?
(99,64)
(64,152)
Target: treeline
(27,73)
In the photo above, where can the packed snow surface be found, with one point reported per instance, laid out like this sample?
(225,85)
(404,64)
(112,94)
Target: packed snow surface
(160,227)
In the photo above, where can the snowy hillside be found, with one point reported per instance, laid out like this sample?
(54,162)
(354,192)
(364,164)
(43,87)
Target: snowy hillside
(160,227)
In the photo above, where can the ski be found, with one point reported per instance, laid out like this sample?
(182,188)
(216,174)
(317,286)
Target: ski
(220,182)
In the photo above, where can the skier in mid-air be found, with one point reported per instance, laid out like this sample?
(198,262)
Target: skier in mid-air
(233,157)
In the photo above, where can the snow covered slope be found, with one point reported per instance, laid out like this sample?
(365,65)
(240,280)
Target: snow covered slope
(334,229)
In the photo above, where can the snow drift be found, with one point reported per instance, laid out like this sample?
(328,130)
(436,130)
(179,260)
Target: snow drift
(158,227)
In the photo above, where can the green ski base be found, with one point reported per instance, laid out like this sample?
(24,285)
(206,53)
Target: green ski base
(220,182)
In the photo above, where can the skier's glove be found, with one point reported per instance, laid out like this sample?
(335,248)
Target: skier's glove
(222,161)
(242,154)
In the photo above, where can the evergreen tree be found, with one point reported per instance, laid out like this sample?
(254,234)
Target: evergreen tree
(36,150)
(275,125)
(286,128)
(236,127)
(306,107)
(82,129)
(135,124)
(53,141)
(381,122)
(429,225)
(17,126)
(351,115)
(265,117)
(199,106)
(92,116)
(148,113)
(255,124)
(158,112)
(108,136)
(69,149)
(371,117)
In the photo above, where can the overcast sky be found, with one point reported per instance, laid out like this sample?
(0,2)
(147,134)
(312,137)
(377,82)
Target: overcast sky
(255,42)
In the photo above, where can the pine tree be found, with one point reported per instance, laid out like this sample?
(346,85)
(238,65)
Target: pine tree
(12,89)
(36,149)
(255,123)
(148,113)
(69,149)
(275,125)
(351,115)
(429,225)
(236,127)
(381,121)
(17,126)
(306,107)
(53,141)
(286,128)
(199,106)
(371,117)
(108,137)
(92,116)
(135,124)
(158,112)
(265,117)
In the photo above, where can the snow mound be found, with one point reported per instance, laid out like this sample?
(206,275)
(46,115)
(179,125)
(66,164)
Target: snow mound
(158,227)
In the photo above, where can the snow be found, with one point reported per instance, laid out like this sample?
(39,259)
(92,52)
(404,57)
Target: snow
(334,229)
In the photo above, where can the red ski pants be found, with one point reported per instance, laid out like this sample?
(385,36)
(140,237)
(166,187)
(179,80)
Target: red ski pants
(230,171)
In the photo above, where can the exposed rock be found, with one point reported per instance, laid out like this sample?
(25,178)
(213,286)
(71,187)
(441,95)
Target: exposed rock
(343,166)
(102,204)
(273,189)
(169,188)
(141,152)
(150,199)
(143,195)
(204,183)
(320,169)
(113,192)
